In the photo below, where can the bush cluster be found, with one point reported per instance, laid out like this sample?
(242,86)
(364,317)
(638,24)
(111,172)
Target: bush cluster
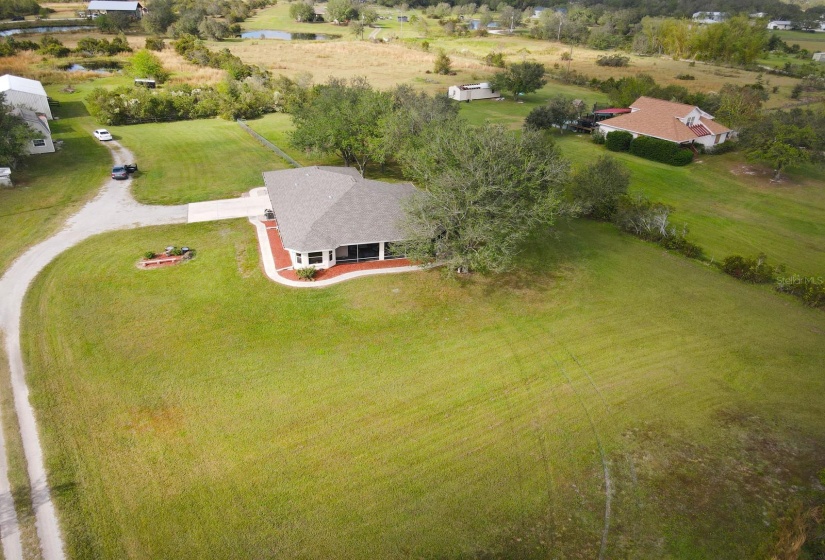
(12,46)
(132,105)
(11,8)
(649,220)
(90,46)
(810,290)
(614,60)
(494,59)
(754,269)
(618,141)
(307,273)
(685,77)
(155,44)
(189,47)
(659,150)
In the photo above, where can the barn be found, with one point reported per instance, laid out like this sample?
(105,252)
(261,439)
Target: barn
(25,94)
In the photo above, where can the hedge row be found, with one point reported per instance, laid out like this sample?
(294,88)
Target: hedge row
(648,148)
(660,150)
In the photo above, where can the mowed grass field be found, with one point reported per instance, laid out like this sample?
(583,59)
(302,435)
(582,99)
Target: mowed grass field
(202,411)
(192,161)
(730,205)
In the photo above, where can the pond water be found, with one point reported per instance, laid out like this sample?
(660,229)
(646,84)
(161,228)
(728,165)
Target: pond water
(99,68)
(54,29)
(285,35)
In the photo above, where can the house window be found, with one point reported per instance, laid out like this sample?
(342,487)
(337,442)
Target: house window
(315,258)
(298,258)
(39,142)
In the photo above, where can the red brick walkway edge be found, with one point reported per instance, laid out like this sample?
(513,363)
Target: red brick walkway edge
(277,264)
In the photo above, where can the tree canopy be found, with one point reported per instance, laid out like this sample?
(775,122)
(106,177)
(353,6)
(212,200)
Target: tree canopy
(597,187)
(783,139)
(520,78)
(485,191)
(15,136)
(343,118)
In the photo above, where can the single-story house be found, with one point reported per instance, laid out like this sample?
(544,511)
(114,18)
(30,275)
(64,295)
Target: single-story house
(332,215)
(26,94)
(38,123)
(783,25)
(666,120)
(709,17)
(5,177)
(469,92)
(134,9)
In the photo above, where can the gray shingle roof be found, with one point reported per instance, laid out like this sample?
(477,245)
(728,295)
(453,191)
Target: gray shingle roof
(320,208)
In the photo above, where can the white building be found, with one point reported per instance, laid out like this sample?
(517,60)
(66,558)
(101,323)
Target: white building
(38,123)
(709,17)
(666,120)
(779,25)
(469,92)
(819,57)
(331,215)
(134,9)
(25,94)
(5,177)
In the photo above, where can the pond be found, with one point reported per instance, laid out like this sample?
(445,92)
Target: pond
(286,35)
(102,67)
(54,29)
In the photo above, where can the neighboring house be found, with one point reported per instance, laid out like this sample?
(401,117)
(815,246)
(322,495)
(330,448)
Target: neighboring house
(537,12)
(5,177)
(821,27)
(134,9)
(39,123)
(758,15)
(666,120)
(779,25)
(468,92)
(26,94)
(819,57)
(332,215)
(709,17)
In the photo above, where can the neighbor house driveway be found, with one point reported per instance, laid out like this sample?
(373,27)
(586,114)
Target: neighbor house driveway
(113,208)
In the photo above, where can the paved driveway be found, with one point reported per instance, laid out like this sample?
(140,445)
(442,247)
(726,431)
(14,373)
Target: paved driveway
(245,207)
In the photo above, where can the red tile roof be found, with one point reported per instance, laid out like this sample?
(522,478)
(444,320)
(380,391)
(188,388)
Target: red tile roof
(660,119)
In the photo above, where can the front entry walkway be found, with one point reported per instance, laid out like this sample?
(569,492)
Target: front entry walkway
(278,265)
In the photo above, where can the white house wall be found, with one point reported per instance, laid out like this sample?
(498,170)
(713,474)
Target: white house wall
(37,103)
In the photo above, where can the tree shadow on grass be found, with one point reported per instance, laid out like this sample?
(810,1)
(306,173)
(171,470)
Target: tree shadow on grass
(70,110)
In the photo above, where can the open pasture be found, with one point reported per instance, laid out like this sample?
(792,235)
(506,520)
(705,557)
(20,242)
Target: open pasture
(417,416)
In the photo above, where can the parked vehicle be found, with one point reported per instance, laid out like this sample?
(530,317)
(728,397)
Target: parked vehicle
(131,167)
(119,172)
(102,134)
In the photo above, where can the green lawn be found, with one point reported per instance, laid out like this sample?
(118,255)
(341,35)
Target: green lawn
(50,187)
(191,161)
(729,211)
(205,412)
(814,42)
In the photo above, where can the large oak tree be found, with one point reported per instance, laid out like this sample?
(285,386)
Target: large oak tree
(484,191)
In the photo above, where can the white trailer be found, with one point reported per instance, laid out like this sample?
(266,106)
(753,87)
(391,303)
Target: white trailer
(470,92)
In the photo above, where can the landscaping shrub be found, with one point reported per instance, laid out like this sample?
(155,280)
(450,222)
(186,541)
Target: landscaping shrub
(755,270)
(494,59)
(811,290)
(658,150)
(618,141)
(149,255)
(615,60)
(597,138)
(154,44)
(307,273)
(649,220)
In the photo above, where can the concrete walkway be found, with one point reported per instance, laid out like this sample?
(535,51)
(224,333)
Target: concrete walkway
(255,203)
(271,270)
(112,209)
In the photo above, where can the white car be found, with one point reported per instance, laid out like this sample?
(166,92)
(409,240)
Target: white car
(102,134)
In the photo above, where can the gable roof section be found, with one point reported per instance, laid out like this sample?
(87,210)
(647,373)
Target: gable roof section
(16,83)
(320,208)
(660,119)
(34,120)
(114,5)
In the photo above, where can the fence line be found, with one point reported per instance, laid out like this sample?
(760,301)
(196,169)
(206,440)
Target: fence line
(267,144)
